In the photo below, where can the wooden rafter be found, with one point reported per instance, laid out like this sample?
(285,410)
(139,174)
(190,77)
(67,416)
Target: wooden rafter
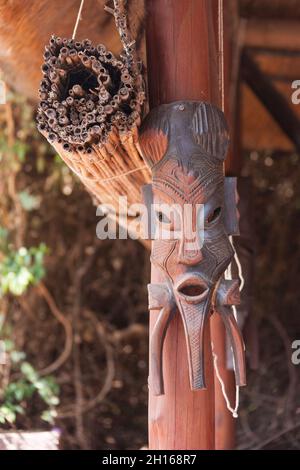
(271,98)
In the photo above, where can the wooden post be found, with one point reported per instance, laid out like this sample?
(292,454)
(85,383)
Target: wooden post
(182,64)
(224,422)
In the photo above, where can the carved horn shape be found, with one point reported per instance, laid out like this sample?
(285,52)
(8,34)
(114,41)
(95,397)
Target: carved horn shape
(227,295)
(160,296)
(237,344)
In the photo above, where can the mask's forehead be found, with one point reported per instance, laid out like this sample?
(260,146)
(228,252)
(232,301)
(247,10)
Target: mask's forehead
(182,130)
(189,182)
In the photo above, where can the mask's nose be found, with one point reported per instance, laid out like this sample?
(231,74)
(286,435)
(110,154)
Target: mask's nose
(189,252)
(191,242)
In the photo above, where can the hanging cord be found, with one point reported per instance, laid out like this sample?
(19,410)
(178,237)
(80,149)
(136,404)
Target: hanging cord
(228,275)
(107,180)
(228,272)
(78,19)
(239,266)
(233,411)
(129,44)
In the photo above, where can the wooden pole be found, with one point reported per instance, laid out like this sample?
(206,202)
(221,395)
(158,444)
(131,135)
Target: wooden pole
(181,51)
(182,64)
(224,422)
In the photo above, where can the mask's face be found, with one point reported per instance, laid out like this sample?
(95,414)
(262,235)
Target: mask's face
(185,145)
(190,237)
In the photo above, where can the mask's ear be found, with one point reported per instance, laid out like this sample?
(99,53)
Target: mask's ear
(231,220)
(149,216)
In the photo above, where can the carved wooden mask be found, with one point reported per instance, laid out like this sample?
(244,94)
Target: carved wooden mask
(192,213)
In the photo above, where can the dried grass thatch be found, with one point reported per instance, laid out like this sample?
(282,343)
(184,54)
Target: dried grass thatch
(90,111)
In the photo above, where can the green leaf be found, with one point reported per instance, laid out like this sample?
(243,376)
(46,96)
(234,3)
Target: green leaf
(9,345)
(8,414)
(29,372)
(20,269)
(2,320)
(20,149)
(49,415)
(40,164)
(17,356)
(28,201)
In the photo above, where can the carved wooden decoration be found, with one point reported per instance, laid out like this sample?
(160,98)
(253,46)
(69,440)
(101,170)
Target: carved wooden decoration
(184,144)
(244,246)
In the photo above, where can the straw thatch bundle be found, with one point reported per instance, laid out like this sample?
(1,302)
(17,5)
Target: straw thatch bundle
(90,110)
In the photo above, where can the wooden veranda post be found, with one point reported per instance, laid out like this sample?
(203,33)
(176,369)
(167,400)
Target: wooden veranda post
(182,65)
(224,422)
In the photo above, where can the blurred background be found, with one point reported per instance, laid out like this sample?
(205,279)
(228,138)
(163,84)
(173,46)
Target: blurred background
(73,309)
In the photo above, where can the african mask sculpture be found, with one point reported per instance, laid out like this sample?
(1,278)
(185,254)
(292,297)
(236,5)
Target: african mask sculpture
(184,144)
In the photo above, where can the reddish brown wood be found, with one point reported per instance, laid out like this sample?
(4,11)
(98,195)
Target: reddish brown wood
(224,422)
(231,57)
(181,51)
(186,68)
(182,64)
(273,100)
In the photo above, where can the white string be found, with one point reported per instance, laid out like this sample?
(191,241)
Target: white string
(78,19)
(239,266)
(233,411)
(228,276)
(106,180)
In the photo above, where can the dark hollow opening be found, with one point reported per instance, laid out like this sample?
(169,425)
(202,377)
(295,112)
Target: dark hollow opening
(83,77)
(192,290)
(115,77)
(126,109)
(214,215)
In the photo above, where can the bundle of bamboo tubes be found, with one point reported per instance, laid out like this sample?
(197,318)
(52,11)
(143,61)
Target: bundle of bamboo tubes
(90,110)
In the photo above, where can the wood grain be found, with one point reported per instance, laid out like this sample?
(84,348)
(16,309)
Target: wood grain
(182,64)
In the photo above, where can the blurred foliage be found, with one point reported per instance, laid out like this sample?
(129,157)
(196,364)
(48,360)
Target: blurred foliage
(43,205)
(270,404)
(20,266)
(19,269)
(15,396)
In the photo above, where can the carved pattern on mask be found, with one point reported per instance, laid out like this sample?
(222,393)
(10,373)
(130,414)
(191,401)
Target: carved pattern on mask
(184,144)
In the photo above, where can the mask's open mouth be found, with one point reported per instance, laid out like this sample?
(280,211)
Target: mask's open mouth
(192,289)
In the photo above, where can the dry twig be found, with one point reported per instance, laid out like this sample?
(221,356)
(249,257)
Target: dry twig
(44,292)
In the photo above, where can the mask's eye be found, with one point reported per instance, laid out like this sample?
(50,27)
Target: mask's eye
(213,215)
(163,218)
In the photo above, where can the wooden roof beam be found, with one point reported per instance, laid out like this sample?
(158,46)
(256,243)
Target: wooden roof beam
(271,98)
(272,33)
